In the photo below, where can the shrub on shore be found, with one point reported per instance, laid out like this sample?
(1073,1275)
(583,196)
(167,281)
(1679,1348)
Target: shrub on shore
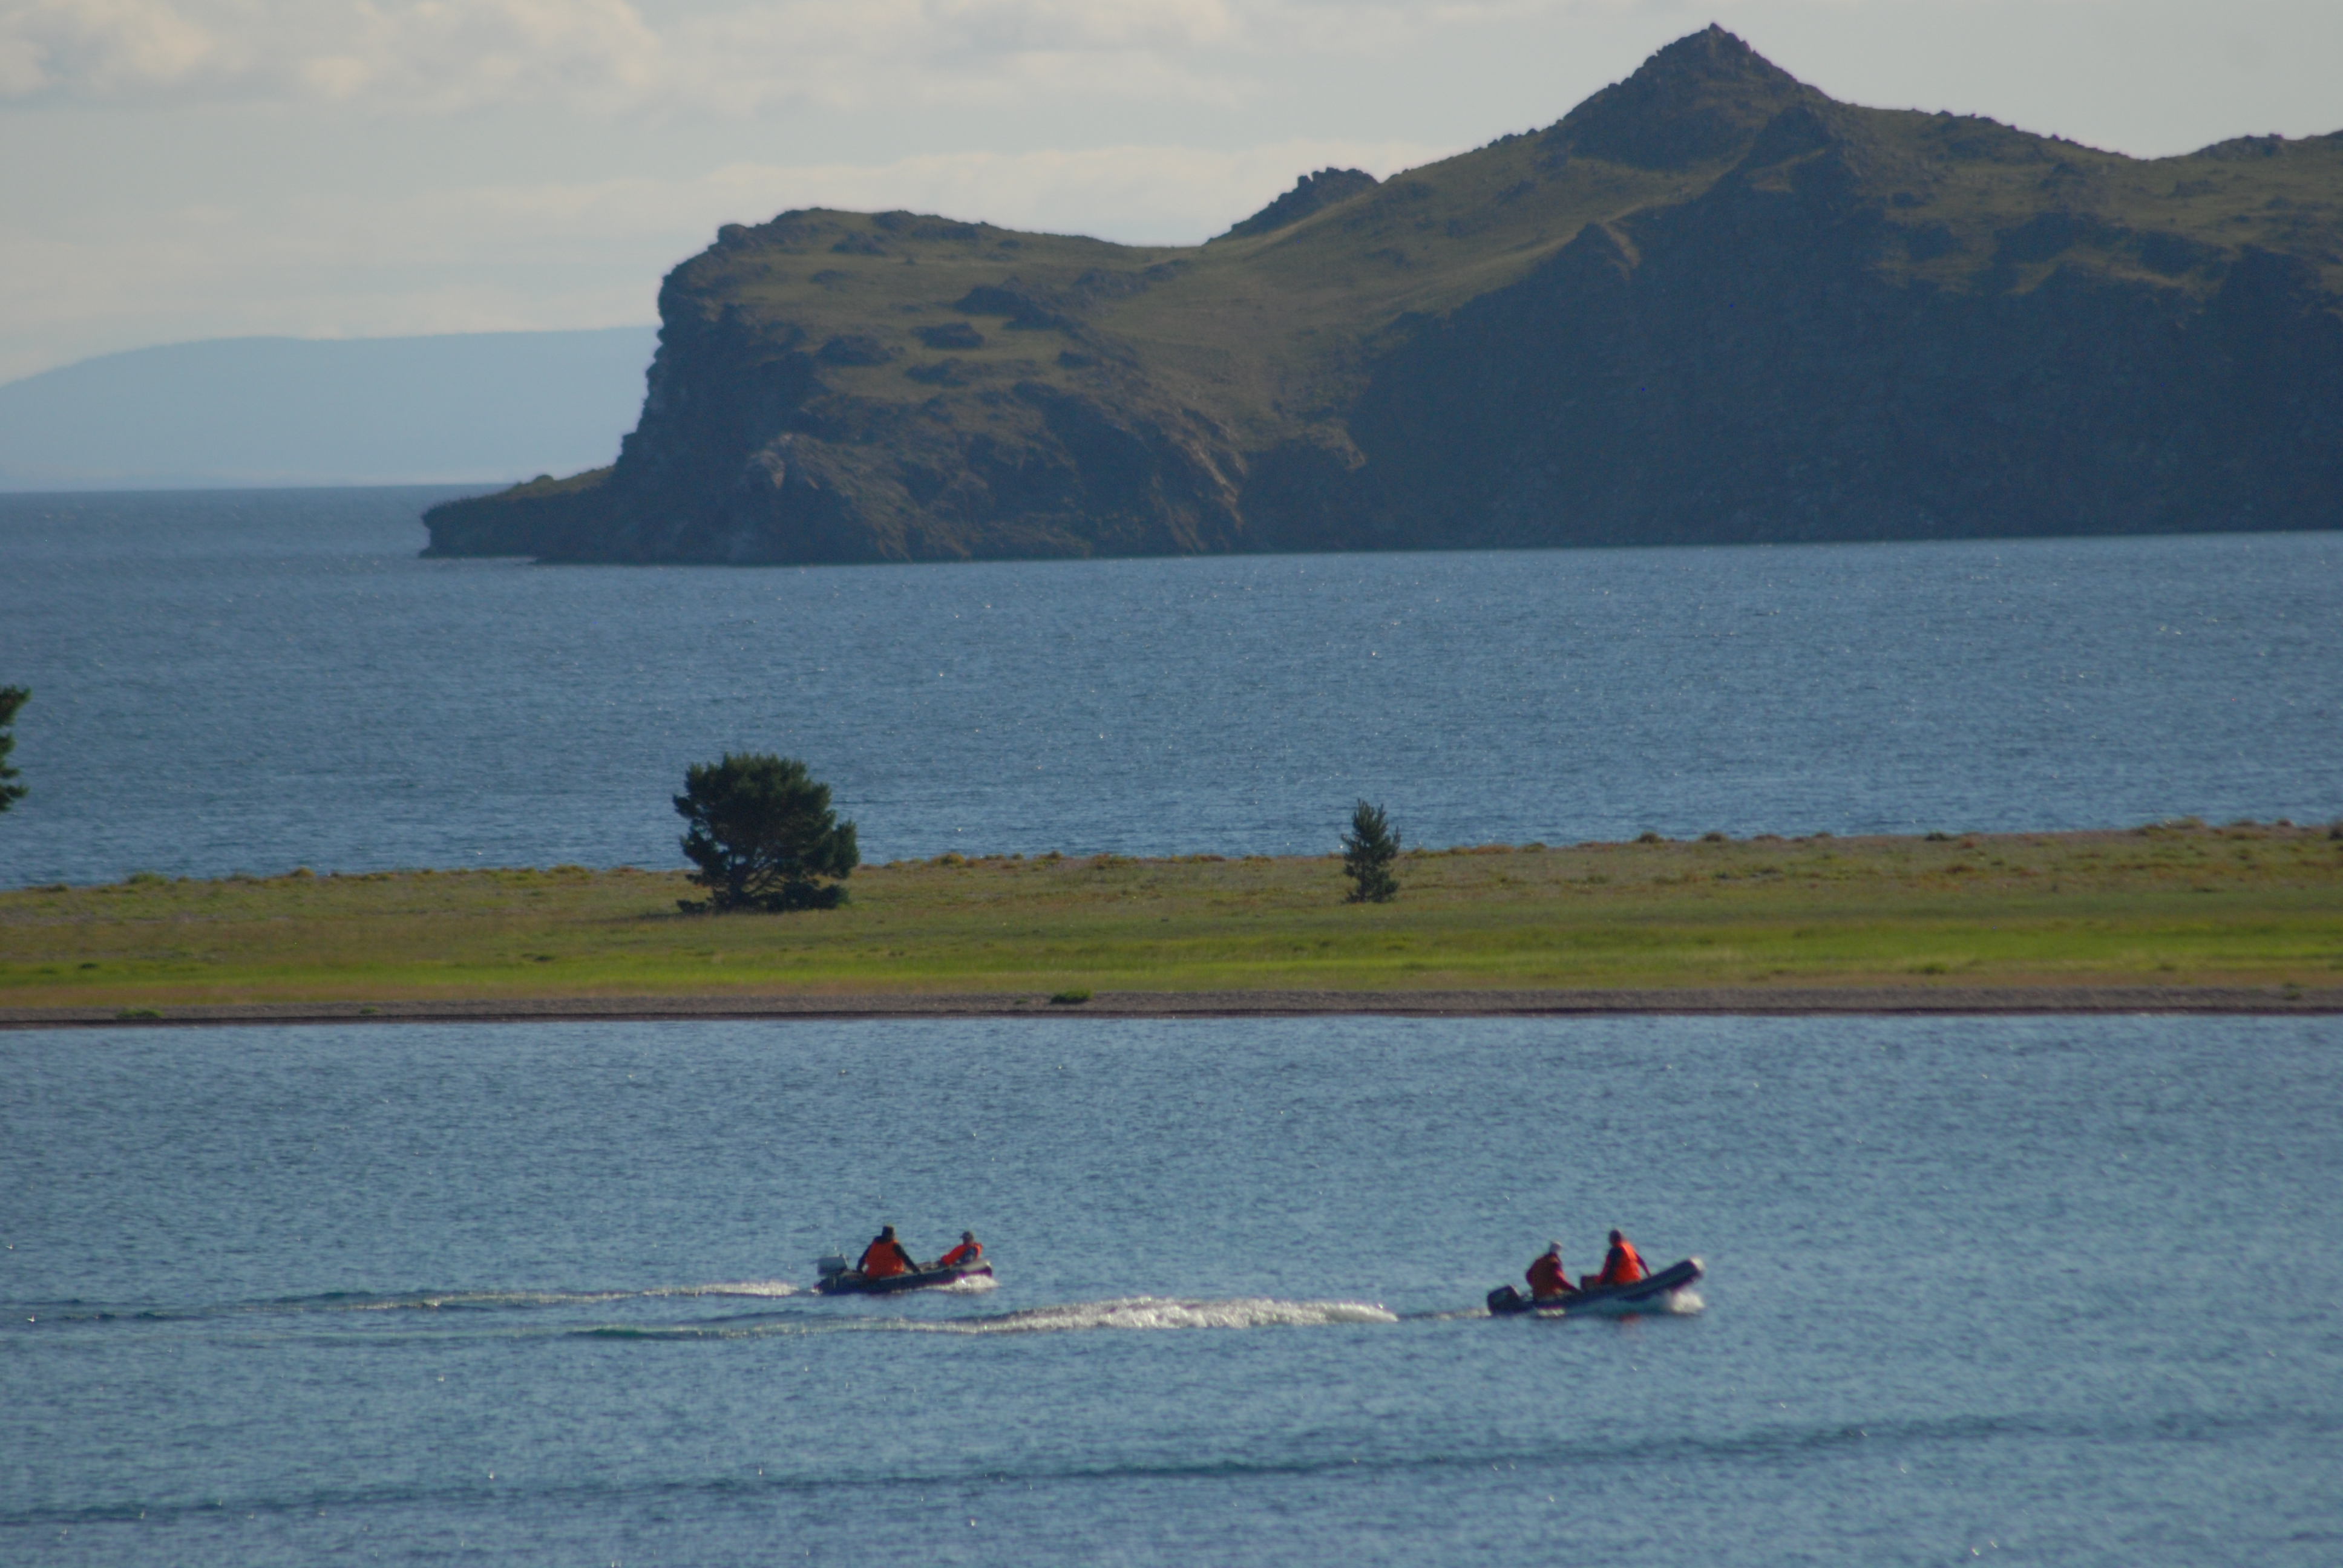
(1368,850)
(12,698)
(763,835)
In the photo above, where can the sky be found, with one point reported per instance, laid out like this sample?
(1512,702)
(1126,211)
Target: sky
(177,170)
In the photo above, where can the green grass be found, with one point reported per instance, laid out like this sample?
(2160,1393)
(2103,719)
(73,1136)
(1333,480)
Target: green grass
(2180,906)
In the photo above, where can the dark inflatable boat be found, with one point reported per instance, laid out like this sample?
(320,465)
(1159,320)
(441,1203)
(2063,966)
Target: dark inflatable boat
(1646,1292)
(841,1281)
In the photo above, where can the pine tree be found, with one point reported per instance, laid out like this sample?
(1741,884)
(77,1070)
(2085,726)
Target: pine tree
(763,835)
(1368,850)
(12,698)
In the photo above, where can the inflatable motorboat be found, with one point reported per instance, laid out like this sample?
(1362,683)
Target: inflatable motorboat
(837,1280)
(1646,1292)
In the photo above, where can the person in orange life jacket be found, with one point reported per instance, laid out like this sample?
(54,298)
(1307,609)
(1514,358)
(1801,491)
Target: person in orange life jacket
(968,1250)
(1547,1278)
(884,1258)
(1621,1264)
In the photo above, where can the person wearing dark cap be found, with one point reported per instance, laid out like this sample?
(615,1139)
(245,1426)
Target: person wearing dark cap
(884,1258)
(968,1250)
(1621,1265)
(1547,1281)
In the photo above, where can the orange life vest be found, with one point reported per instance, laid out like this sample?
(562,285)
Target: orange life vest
(883,1260)
(1547,1278)
(1620,1266)
(966,1252)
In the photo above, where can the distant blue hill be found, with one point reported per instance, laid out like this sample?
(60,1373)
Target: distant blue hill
(264,411)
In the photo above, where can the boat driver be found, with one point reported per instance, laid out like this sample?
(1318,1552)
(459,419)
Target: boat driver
(1621,1265)
(968,1250)
(1547,1281)
(884,1258)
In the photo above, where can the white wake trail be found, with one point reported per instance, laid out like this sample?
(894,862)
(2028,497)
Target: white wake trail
(766,1289)
(1143,1312)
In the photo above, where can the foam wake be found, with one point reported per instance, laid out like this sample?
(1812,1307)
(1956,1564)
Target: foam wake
(488,1300)
(426,1301)
(1159,1312)
(764,1290)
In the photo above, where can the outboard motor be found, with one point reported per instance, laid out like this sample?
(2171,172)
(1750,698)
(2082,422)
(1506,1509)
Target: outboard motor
(830,1265)
(1503,1298)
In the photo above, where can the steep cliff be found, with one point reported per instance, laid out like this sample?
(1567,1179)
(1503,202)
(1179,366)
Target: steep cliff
(1709,305)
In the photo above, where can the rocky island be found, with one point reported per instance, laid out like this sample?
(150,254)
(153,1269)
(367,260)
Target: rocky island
(1710,304)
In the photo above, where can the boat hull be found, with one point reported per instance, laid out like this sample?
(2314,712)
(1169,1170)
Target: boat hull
(1507,1302)
(853,1282)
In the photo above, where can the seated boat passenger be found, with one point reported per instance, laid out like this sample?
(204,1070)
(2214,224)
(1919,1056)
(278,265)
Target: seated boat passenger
(968,1250)
(1547,1281)
(1621,1265)
(884,1258)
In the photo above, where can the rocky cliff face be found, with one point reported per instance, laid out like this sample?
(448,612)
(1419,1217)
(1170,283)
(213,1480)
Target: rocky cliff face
(1709,305)
(1762,363)
(762,438)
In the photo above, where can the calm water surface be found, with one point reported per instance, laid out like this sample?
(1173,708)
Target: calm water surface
(248,682)
(2051,1291)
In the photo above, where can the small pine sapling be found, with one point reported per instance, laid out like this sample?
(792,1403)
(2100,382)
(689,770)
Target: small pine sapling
(1368,850)
(12,698)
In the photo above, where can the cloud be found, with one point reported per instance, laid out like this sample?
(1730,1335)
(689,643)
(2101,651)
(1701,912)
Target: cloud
(733,57)
(594,55)
(419,54)
(741,58)
(101,47)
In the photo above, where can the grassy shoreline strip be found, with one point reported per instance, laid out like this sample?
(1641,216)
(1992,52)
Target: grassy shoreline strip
(866,1006)
(2172,906)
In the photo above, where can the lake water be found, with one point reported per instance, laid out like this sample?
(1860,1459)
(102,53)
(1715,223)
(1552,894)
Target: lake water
(252,681)
(2058,1291)
(2054,1289)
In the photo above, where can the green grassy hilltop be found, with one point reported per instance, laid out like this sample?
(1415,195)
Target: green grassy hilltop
(1710,303)
(2171,906)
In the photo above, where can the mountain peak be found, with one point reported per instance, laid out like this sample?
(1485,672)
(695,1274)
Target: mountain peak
(1703,96)
(1711,52)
